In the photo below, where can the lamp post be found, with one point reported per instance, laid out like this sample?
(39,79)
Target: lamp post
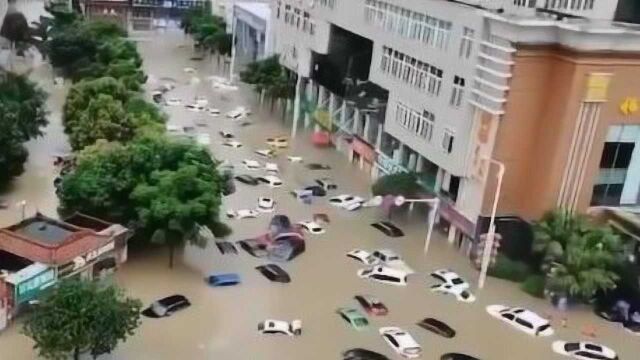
(233,44)
(435,204)
(488,246)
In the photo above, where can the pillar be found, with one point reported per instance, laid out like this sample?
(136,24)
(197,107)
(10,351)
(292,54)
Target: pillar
(379,139)
(356,120)
(439,177)
(420,164)
(411,164)
(367,125)
(296,108)
(452,234)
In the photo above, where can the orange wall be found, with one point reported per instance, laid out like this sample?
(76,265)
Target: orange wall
(534,136)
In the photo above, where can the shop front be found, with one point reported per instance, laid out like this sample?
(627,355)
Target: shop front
(386,165)
(363,155)
(29,282)
(95,264)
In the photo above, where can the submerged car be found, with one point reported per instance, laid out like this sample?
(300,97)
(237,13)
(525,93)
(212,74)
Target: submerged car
(316,166)
(354,318)
(450,277)
(401,342)
(280,327)
(226,134)
(372,305)
(327,184)
(460,293)
(457,356)
(316,190)
(347,202)
(388,229)
(274,273)
(238,113)
(312,227)
(279,142)
(270,180)
(385,274)
(266,204)
(217,280)
(266,153)
(247,179)
(363,256)
(437,327)
(242,214)
(362,354)
(232,143)
(584,350)
(166,306)
(391,259)
(251,164)
(522,319)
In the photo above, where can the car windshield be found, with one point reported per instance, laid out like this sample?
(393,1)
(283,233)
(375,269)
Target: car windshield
(543,327)
(370,259)
(457,281)
(348,198)
(570,347)
(366,272)
(158,308)
(361,322)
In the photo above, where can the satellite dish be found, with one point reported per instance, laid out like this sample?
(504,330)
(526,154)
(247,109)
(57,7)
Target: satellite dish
(399,200)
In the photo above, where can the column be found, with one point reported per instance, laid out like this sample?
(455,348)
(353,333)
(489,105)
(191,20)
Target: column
(320,103)
(356,120)
(309,98)
(420,164)
(452,234)
(367,124)
(379,139)
(296,108)
(411,164)
(438,185)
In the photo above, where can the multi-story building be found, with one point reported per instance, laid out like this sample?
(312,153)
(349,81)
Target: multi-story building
(544,87)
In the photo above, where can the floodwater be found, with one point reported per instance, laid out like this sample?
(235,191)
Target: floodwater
(222,322)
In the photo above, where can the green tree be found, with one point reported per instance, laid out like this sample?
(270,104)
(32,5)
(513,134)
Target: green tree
(578,258)
(269,77)
(79,317)
(405,184)
(15,28)
(173,204)
(146,184)
(22,116)
(105,118)
(82,93)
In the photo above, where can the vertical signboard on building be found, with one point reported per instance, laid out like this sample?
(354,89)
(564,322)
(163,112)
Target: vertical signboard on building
(30,288)
(597,87)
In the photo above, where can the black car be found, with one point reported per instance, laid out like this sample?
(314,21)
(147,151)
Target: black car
(457,356)
(166,306)
(362,354)
(632,327)
(316,166)
(247,179)
(316,190)
(274,273)
(437,327)
(388,229)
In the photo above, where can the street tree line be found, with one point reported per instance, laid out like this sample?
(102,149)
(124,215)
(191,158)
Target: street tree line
(208,31)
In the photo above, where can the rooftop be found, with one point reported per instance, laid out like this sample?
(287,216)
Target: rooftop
(258,9)
(44,230)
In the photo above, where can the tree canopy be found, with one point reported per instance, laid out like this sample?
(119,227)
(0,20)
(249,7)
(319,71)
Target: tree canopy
(22,116)
(158,186)
(269,76)
(78,317)
(405,184)
(104,118)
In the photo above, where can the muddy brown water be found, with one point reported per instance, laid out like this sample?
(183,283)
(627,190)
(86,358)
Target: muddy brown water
(222,322)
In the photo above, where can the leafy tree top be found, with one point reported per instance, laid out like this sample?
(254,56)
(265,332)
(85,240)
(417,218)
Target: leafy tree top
(78,317)
(405,184)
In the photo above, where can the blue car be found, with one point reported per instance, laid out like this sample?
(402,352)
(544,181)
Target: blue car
(223,279)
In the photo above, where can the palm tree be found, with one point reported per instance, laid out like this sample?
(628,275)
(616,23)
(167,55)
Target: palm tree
(553,232)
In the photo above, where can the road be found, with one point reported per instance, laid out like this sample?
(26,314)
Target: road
(221,324)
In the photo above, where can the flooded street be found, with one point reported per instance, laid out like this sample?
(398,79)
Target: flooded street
(221,323)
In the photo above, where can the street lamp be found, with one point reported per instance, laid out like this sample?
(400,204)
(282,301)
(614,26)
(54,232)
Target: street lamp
(488,245)
(435,204)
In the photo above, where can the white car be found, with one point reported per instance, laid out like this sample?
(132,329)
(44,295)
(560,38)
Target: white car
(189,70)
(522,319)
(460,293)
(279,142)
(232,143)
(584,350)
(327,184)
(401,342)
(173,102)
(312,227)
(203,139)
(201,101)
(390,258)
(251,164)
(266,204)
(280,327)
(213,111)
(194,107)
(238,113)
(449,277)
(348,202)
(363,256)
(271,181)
(265,153)
(385,274)
(175,129)
(271,167)
(242,214)
(294,159)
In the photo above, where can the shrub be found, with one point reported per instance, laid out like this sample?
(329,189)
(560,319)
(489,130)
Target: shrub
(534,285)
(405,184)
(511,270)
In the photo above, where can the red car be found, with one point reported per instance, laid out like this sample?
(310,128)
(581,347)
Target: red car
(372,305)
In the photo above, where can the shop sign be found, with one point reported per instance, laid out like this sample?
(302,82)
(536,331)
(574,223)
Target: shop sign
(388,165)
(81,261)
(30,288)
(363,149)
(597,87)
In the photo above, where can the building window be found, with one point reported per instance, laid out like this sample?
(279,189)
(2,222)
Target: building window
(287,14)
(420,124)
(278,6)
(466,45)
(614,164)
(424,77)
(409,24)
(447,140)
(305,21)
(296,18)
(457,92)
